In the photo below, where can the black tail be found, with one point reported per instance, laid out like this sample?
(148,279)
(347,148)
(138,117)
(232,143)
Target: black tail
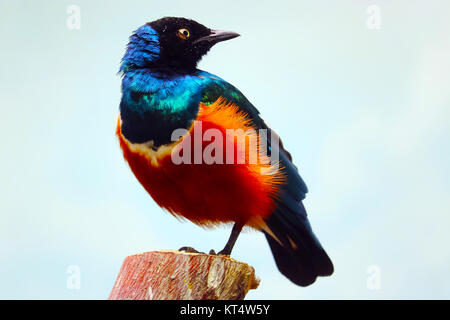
(299,256)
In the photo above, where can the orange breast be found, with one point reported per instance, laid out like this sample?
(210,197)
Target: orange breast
(242,190)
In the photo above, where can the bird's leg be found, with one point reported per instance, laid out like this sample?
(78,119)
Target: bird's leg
(237,228)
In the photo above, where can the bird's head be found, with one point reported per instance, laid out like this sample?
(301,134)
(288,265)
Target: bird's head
(172,45)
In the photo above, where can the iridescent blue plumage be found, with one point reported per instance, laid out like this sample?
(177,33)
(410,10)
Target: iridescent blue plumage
(152,105)
(142,49)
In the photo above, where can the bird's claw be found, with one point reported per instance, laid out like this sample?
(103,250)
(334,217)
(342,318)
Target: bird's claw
(189,250)
(224,253)
(220,253)
(211,252)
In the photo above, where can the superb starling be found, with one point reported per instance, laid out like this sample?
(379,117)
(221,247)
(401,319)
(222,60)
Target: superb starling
(166,103)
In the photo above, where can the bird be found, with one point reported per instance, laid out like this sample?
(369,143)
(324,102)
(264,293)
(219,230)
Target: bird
(163,93)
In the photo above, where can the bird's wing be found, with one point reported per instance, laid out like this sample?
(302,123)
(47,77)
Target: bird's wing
(220,88)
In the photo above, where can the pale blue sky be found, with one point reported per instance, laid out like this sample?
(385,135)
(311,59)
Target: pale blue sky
(365,114)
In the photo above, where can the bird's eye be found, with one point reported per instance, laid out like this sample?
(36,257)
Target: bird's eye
(183,33)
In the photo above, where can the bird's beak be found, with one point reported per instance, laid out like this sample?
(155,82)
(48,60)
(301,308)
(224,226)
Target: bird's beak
(218,36)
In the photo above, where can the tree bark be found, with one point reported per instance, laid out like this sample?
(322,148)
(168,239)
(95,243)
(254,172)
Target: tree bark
(175,275)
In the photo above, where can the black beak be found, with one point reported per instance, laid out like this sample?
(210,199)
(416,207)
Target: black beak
(218,36)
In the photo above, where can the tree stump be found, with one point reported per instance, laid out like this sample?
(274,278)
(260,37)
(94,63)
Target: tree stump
(175,275)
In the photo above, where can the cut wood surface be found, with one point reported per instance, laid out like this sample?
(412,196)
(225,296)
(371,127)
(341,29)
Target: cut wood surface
(175,275)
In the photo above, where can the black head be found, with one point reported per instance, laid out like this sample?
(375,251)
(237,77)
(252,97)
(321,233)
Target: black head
(172,44)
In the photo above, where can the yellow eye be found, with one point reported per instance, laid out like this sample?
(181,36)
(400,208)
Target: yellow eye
(183,33)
